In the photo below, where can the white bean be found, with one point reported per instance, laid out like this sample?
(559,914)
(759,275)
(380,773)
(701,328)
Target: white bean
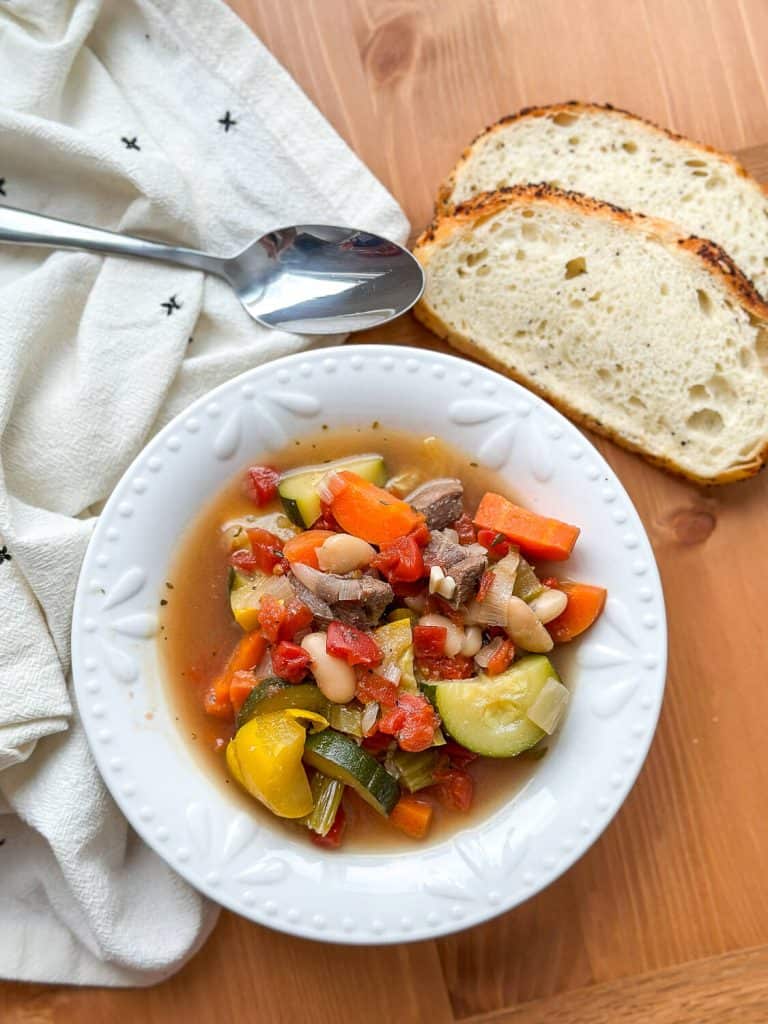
(473,641)
(454,635)
(344,553)
(525,629)
(549,604)
(334,676)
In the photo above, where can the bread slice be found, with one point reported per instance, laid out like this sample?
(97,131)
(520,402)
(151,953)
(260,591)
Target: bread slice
(615,156)
(652,338)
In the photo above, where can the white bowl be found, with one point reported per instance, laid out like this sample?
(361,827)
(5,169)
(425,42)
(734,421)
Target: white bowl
(177,807)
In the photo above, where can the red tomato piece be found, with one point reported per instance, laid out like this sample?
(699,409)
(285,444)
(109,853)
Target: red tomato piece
(454,789)
(459,667)
(377,743)
(375,688)
(412,722)
(401,561)
(245,560)
(297,617)
(266,547)
(408,589)
(502,659)
(332,839)
(260,484)
(459,756)
(486,582)
(421,535)
(352,644)
(465,529)
(429,641)
(271,616)
(290,661)
(438,605)
(496,543)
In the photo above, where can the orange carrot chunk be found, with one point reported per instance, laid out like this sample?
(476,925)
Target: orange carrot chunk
(303,547)
(585,603)
(412,816)
(367,511)
(247,654)
(536,535)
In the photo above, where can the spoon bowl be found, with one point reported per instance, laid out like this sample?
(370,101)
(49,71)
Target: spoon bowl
(309,278)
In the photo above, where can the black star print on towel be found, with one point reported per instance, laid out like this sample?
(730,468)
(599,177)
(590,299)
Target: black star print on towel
(2,186)
(131,143)
(170,305)
(227,121)
(5,555)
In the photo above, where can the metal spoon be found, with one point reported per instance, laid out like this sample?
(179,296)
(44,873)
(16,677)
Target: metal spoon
(311,278)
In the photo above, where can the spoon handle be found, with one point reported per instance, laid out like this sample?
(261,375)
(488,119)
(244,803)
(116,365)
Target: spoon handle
(20,227)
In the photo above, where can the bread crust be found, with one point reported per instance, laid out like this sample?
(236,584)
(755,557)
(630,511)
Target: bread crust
(443,202)
(713,258)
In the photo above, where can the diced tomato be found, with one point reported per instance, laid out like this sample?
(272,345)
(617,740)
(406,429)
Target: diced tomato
(245,560)
(459,756)
(260,484)
(279,620)
(412,722)
(465,529)
(496,543)
(429,641)
(408,589)
(376,743)
(332,839)
(502,659)
(401,561)
(552,582)
(486,582)
(375,688)
(454,789)
(352,644)
(438,605)
(297,617)
(267,548)
(421,535)
(326,520)
(290,661)
(459,667)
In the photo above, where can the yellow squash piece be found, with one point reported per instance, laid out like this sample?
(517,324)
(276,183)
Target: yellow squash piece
(265,758)
(395,640)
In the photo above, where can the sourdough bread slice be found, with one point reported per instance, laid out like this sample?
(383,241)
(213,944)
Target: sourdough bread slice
(654,339)
(622,159)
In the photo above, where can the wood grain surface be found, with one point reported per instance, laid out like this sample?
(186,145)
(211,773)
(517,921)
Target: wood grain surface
(666,918)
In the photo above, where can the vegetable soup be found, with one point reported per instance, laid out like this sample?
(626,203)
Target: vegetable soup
(359,640)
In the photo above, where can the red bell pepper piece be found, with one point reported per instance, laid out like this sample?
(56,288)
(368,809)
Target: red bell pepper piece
(429,641)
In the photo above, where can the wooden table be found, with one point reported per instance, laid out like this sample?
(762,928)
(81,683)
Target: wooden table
(666,918)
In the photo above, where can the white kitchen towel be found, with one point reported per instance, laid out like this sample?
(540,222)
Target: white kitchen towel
(165,118)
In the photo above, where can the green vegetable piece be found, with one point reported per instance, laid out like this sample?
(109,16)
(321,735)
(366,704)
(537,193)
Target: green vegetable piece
(345,718)
(275,694)
(527,583)
(298,487)
(414,771)
(340,757)
(326,794)
(488,715)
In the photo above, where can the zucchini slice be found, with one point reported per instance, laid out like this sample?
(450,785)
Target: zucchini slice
(488,715)
(298,487)
(340,758)
(275,694)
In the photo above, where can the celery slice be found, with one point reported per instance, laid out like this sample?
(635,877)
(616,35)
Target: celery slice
(326,794)
(346,719)
(413,771)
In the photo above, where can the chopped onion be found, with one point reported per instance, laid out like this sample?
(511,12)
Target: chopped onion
(484,655)
(390,672)
(323,489)
(264,668)
(279,587)
(370,717)
(547,710)
(508,565)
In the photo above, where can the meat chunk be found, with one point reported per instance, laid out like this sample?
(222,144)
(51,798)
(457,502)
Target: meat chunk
(357,600)
(439,501)
(463,564)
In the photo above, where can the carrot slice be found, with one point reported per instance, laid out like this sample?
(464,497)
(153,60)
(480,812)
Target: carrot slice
(585,603)
(412,816)
(536,535)
(303,547)
(247,654)
(242,684)
(367,511)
